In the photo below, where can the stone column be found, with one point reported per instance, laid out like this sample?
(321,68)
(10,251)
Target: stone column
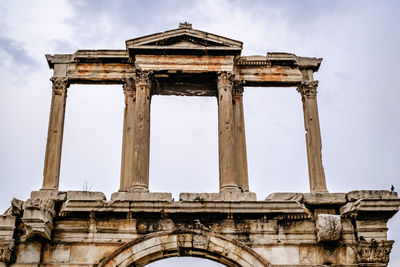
(141,126)
(226,134)
(240,138)
(308,91)
(128,135)
(51,172)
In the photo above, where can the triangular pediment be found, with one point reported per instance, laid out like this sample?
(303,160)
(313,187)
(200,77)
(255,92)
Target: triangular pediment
(184,38)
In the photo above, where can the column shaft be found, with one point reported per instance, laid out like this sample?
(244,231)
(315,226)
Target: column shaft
(141,143)
(240,140)
(226,134)
(308,91)
(51,172)
(128,135)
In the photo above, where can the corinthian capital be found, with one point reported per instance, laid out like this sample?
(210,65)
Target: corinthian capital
(308,88)
(60,84)
(225,78)
(143,77)
(238,87)
(128,84)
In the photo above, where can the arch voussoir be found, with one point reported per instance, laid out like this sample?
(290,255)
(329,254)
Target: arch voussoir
(195,243)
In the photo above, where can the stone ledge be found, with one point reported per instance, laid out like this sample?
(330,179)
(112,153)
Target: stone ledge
(376,194)
(50,194)
(285,196)
(141,196)
(336,199)
(85,195)
(372,207)
(223,196)
(276,207)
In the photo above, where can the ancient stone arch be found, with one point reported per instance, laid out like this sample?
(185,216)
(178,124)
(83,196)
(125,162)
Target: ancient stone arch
(135,226)
(194,243)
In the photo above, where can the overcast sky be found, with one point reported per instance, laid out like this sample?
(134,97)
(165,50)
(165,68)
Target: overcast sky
(358,97)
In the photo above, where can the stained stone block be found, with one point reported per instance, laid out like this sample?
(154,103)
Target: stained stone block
(28,254)
(285,196)
(328,227)
(141,196)
(222,196)
(85,195)
(6,250)
(324,198)
(7,226)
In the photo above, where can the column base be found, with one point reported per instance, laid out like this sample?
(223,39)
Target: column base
(218,197)
(230,188)
(137,189)
(141,196)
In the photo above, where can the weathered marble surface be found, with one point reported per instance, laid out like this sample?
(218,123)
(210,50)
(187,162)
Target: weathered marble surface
(285,230)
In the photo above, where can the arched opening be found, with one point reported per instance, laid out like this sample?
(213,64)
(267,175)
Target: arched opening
(193,243)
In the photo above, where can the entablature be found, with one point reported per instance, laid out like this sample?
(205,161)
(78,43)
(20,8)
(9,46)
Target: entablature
(184,61)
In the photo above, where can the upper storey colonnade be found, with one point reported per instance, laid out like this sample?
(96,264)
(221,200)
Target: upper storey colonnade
(188,62)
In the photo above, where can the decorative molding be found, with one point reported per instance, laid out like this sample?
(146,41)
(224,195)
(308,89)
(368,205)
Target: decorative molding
(308,88)
(60,84)
(374,251)
(225,78)
(143,77)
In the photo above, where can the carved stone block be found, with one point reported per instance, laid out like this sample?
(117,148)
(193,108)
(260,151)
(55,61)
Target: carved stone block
(7,226)
(374,252)
(328,227)
(38,217)
(5,251)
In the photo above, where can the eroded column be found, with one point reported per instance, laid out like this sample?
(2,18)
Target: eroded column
(240,138)
(128,135)
(226,134)
(308,91)
(51,172)
(141,143)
